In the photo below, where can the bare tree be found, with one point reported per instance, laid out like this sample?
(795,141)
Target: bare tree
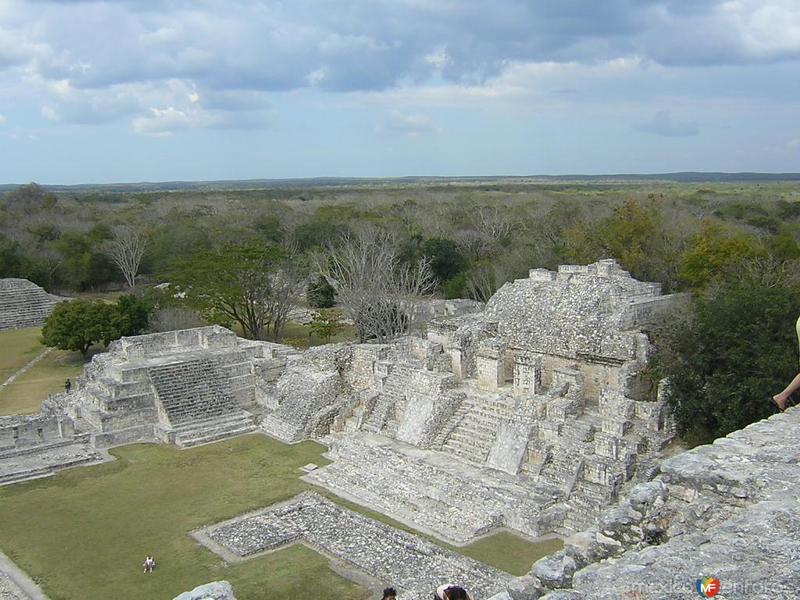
(126,250)
(287,285)
(375,288)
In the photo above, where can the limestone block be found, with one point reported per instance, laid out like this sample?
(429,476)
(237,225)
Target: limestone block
(616,427)
(571,378)
(550,432)
(652,413)
(527,373)
(490,372)
(554,571)
(509,446)
(607,445)
(216,590)
(600,470)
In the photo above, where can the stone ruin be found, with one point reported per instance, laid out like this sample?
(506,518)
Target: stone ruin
(532,414)
(33,446)
(24,304)
(186,387)
(727,510)
(540,401)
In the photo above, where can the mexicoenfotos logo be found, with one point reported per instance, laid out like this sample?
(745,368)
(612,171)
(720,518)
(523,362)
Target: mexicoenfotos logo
(707,587)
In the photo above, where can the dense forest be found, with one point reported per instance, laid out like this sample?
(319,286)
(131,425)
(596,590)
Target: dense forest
(732,245)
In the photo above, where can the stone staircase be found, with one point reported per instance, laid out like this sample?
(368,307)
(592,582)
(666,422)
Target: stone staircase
(24,304)
(382,418)
(212,429)
(473,428)
(192,390)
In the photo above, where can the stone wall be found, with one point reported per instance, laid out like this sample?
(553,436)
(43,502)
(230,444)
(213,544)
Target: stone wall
(726,510)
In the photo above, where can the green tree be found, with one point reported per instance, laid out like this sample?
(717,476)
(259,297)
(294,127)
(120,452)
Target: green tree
(78,324)
(446,260)
(251,285)
(728,355)
(326,323)
(133,314)
(85,263)
(714,250)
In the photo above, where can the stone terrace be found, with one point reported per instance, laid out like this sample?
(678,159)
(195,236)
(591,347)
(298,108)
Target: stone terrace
(729,509)
(414,566)
(24,304)
(433,492)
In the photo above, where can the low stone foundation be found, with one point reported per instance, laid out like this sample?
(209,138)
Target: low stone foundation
(434,493)
(412,565)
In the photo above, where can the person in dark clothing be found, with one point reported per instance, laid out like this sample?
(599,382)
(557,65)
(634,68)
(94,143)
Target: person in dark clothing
(67,386)
(389,594)
(451,592)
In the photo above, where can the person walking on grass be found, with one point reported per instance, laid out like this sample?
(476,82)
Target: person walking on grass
(149,563)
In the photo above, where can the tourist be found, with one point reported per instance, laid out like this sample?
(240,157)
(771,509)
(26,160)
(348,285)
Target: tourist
(149,563)
(389,594)
(67,385)
(451,592)
(781,399)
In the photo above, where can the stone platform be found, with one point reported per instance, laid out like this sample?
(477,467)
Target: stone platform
(44,461)
(407,562)
(729,510)
(24,304)
(433,492)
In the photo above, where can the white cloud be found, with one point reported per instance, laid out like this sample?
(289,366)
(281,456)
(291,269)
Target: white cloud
(664,124)
(411,125)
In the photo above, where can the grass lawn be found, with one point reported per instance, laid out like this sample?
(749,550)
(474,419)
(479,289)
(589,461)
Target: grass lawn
(83,533)
(17,348)
(25,394)
(300,336)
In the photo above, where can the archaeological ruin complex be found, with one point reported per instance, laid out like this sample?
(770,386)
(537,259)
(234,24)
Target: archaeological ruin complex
(533,413)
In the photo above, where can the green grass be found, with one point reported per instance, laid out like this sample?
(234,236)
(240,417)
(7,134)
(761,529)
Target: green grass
(25,394)
(17,348)
(300,336)
(510,552)
(83,533)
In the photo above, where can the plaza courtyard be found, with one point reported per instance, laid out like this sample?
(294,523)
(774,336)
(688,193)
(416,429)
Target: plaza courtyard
(84,532)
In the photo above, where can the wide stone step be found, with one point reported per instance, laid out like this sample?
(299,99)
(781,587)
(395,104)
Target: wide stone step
(188,427)
(214,435)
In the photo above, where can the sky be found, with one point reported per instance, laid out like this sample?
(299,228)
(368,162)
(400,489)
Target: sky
(163,90)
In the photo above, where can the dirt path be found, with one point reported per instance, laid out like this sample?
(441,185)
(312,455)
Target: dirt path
(19,372)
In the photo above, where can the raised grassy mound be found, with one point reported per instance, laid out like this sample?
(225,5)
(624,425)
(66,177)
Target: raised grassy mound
(24,304)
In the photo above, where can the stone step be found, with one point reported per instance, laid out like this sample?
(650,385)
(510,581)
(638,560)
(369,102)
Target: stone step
(188,427)
(20,476)
(7,451)
(214,436)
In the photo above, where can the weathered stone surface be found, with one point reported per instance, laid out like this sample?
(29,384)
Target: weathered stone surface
(545,385)
(216,590)
(454,502)
(9,590)
(554,571)
(189,387)
(24,304)
(728,510)
(415,567)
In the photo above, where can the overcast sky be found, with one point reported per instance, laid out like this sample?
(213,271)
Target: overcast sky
(152,90)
